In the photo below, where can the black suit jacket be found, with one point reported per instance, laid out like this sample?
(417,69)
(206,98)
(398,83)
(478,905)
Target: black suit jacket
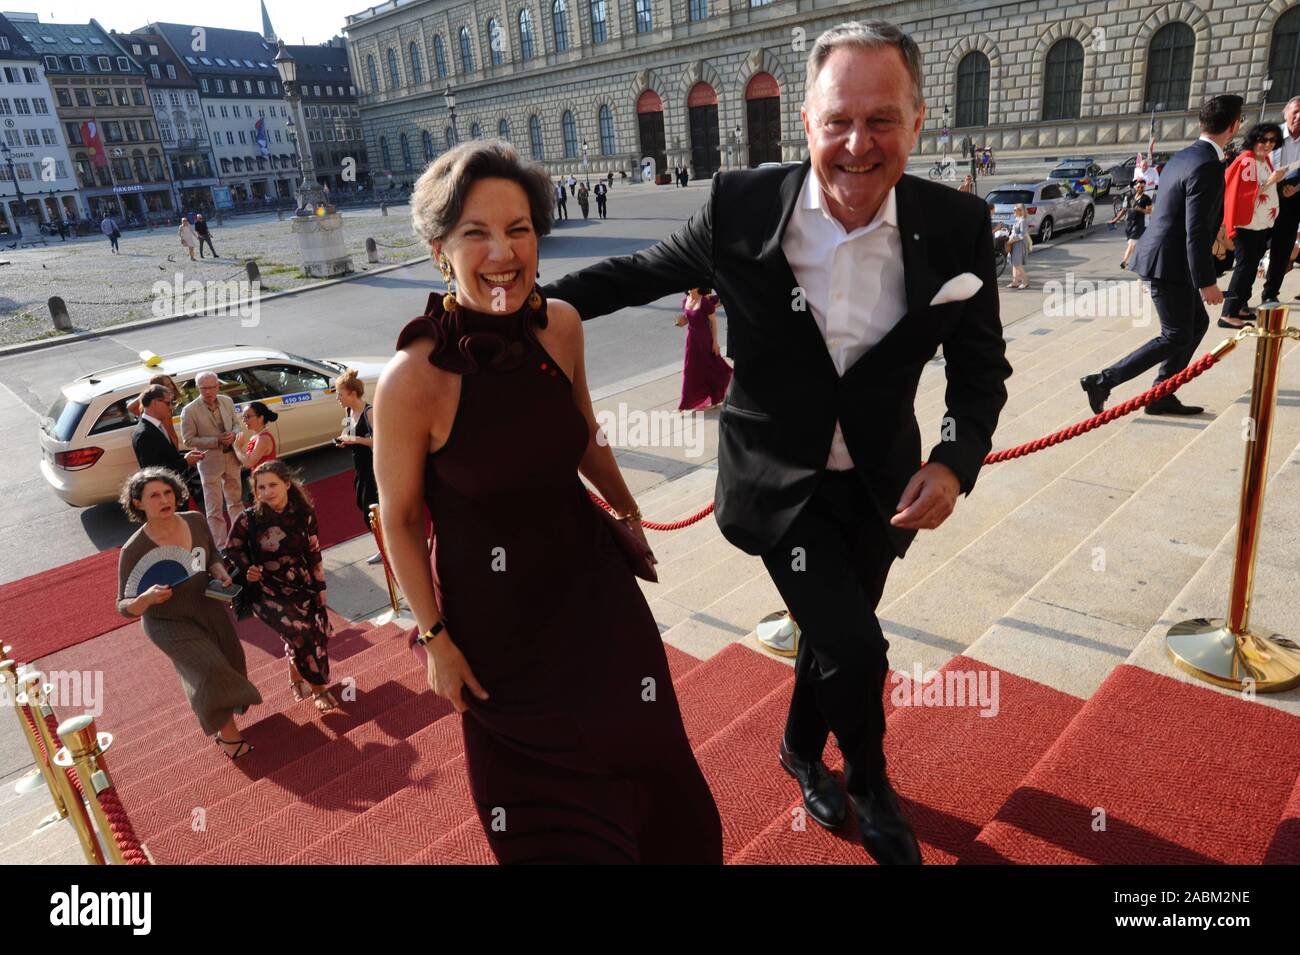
(1176,245)
(780,412)
(153,448)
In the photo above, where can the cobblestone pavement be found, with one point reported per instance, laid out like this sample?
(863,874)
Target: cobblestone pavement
(103,289)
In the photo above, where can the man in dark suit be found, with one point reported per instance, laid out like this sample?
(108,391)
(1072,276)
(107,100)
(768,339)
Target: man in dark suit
(841,278)
(153,447)
(1174,256)
(1282,242)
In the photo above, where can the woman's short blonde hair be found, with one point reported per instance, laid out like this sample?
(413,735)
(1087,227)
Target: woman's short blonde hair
(352,382)
(439,197)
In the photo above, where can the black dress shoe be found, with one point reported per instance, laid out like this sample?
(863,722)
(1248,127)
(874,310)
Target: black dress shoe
(1172,406)
(1224,323)
(886,834)
(821,795)
(1097,392)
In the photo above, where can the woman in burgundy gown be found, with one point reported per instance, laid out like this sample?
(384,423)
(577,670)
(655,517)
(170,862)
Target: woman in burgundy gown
(532,622)
(705,373)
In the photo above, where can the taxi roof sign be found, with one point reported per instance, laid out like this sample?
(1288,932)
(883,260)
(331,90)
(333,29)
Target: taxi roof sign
(150,359)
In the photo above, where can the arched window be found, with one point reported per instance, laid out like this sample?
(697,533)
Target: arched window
(475,131)
(1169,68)
(417,71)
(570,135)
(645,18)
(393,79)
(525,34)
(607,145)
(374,74)
(503,129)
(406,152)
(560,24)
(451,137)
(496,43)
(466,52)
(383,151)
(1284,57)
(699,9)
(440,56)
(428,146)
(973,90)
(535,138)
(1063,82)
(599,23)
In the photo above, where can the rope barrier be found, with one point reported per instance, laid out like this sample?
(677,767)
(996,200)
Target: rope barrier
(119,823)
(1153,394)
(399,245)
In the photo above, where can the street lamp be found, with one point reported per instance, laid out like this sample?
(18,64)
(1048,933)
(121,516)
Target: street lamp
(7,154)
(584,159)
(318,225)
(1263,100)
(450,96)
(310,195)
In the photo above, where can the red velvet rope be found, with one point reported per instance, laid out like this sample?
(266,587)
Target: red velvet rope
(1162,390)
(119,824)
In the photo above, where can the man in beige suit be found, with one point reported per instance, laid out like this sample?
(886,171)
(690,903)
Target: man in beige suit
(208,423)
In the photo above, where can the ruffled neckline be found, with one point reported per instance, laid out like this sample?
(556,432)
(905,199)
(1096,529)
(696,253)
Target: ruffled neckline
(466,341)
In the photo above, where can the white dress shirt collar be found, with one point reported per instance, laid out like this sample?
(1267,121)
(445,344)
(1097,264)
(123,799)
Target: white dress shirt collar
(1218,150)
(153,421)
(814,199)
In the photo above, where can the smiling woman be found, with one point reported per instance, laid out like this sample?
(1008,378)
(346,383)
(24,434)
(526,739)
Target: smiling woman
(536,629)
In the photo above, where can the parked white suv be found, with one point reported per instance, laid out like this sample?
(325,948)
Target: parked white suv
(86,435)
(1051,207)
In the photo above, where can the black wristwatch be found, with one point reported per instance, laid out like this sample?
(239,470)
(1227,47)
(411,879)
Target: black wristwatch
(428,636)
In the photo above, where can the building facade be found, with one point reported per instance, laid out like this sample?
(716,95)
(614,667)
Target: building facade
(182,124)
(331,114)
(102,104)
(37,183)
(243,105)
(718,83)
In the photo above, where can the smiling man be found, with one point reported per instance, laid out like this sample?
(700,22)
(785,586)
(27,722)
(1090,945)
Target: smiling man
(841,278)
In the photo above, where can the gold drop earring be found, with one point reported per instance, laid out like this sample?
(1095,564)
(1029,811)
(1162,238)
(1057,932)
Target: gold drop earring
(449,302)
(535,297)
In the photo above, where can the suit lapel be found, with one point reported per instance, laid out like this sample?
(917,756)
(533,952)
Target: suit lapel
(919,277)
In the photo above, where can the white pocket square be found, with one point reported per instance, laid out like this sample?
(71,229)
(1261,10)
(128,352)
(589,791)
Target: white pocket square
(958,289)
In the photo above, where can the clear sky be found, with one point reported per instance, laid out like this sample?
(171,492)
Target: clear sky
(295,21)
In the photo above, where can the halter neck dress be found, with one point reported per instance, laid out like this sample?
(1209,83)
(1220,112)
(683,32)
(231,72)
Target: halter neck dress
(579,754)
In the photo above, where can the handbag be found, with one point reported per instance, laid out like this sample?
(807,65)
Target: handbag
(638,554)
(251,592)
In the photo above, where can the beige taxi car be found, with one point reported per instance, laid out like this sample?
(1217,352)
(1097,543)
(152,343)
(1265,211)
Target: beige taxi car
(86,435)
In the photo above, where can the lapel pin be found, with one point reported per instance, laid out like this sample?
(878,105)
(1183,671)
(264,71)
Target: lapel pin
(916,236)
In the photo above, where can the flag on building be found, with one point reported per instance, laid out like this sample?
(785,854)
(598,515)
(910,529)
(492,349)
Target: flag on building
(259,136)
(94,145)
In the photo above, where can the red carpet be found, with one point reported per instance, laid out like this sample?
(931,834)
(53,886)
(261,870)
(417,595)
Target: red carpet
(75,602)
(1183,774)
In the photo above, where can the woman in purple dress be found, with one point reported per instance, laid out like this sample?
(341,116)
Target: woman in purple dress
(531,621)
(705,373)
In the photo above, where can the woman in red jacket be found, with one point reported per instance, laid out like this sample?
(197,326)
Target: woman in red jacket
(1249,209)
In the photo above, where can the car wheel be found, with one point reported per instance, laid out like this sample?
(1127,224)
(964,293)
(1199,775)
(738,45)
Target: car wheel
(1087,218)
(1045,230)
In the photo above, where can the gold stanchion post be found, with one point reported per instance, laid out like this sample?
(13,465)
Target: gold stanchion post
(1227,652)
(11,681)
(378,531)
(83,746)
(34,690)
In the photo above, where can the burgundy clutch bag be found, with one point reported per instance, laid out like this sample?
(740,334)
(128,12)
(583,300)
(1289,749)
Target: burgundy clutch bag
(638,554)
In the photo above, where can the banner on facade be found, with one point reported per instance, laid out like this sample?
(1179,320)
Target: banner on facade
(259,136)
(94,145)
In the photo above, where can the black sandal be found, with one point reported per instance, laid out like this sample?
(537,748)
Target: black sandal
(243,749)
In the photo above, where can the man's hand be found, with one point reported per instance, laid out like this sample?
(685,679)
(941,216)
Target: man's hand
(193,457)
(928,498)
(1211,295)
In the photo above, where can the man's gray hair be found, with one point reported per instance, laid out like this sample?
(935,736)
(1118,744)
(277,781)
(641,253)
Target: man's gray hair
(1292,103)
(205,375)
(866,35)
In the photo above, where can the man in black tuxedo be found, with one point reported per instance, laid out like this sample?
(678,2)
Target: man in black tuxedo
(152,445)
(1174,256)
(841,278)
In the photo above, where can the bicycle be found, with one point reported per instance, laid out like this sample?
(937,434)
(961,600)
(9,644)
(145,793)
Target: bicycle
(945,169)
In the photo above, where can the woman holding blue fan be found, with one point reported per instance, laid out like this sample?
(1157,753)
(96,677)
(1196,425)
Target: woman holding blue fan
(164,573)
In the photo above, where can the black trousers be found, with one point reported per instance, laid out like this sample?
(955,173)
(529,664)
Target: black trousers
(830,569)
(1250,246)
(562,210)
(208,240)
(1282,242)
(600,206)
(1183,322)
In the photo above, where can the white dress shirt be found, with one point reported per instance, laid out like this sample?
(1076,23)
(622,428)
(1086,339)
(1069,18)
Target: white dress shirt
(1288,151)
(1218,150)
(852,281)
(156,423)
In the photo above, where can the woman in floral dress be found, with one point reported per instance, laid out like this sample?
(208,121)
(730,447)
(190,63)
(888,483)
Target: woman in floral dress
(274,547)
